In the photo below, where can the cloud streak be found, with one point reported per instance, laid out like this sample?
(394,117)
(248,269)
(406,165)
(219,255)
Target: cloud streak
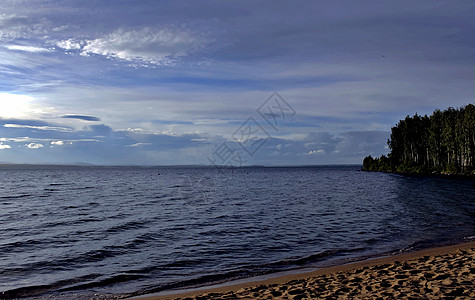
(148,45)
(27,49)
(82,117)
(54,128)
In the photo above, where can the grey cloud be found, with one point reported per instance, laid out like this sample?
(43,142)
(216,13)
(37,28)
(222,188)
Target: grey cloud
(102,144)
(99,144)
(363,143)
(317,148)
(81,117)
(99,129)
(12,20)
(321,148)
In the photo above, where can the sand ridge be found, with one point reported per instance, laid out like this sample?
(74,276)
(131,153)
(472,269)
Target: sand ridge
(446,272)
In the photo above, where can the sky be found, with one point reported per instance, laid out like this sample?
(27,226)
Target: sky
(224,82)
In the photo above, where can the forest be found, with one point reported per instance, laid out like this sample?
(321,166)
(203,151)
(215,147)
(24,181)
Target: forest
(443,143)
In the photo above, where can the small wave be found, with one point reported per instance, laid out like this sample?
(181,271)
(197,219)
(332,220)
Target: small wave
(371,241)
(25,292)
(66,263)
(199,281)
(89,219)
(244,272)
(161,196)
(182,263)
(59,223)
(97,255)
(105,282)
(84,188)
(299,261)
(15,196)
(144,238)
(19,246)
(128,226)
(469,238)
(38,290)
(311,258)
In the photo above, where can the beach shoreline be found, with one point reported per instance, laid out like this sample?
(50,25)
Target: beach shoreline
(447,271)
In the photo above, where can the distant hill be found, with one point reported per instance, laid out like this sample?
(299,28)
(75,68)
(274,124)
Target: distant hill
(443,143)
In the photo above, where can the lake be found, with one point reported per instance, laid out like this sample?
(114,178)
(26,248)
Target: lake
(133,230)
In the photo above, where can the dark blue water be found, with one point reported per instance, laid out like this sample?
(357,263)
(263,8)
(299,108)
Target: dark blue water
(85,230)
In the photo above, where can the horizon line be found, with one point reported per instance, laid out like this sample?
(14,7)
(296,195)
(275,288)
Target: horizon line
(7,164)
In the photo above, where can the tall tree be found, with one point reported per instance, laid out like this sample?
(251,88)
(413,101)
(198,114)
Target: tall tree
(442,142)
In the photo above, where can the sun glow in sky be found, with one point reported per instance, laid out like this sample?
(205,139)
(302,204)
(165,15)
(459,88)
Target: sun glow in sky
(168,82)
(15,106)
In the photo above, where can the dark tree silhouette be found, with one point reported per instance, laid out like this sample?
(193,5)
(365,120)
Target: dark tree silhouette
(441,143)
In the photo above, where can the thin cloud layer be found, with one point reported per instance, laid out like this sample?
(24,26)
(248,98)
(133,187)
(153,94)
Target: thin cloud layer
(156,46)
(15,27)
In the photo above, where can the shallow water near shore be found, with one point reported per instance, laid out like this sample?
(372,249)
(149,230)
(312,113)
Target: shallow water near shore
(86,230)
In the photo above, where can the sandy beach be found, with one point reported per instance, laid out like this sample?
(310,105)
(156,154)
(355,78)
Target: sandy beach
(445,272)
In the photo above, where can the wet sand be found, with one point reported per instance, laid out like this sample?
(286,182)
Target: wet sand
(444,272)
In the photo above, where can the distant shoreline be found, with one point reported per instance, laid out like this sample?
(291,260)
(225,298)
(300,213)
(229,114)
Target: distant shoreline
(429,174)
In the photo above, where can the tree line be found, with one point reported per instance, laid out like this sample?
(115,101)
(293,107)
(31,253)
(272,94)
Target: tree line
(442,143)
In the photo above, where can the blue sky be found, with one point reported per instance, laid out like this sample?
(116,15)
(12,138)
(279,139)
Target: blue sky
(178,82)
